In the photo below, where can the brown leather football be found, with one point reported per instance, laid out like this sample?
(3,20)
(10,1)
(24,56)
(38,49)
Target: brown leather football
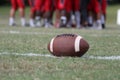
(68,45)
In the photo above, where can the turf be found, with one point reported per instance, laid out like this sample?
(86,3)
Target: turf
(23,40)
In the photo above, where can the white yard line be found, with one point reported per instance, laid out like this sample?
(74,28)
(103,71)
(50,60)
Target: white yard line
(27,54)
(103,57)
(36,33)
(51,56)
(19,32)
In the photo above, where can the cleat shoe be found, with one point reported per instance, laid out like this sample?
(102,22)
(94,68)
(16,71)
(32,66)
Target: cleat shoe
(103,26)
(12,24)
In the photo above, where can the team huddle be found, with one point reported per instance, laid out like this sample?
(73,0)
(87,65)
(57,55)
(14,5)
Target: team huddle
(68,13)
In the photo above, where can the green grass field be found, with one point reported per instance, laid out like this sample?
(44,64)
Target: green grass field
(25,40)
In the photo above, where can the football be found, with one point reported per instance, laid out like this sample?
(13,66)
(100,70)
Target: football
(71,45)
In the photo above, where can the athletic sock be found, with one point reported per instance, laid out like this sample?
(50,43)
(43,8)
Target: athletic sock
(103,21)
(77,17)
(31,22)
(90,21)
(11,21)
(46,23)
(63,19)
(98,24)
(23,22)
(37,20)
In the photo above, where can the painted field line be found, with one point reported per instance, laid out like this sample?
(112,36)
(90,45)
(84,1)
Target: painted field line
(37,33)
(103,57)
(19,32)
(28,54)
(51,56)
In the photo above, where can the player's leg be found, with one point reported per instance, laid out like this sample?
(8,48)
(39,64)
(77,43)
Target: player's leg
(32,13)
(103,13)
(63,11)
(83,6)
(70,13)
(57,14)
(90,14)
(97,11)
(21,5)
(47,12)
(90,18)
(52,9)
(12,13)
(66,13)
(52,13)
(94,17)
(77,13)
(60,12)
(38,7)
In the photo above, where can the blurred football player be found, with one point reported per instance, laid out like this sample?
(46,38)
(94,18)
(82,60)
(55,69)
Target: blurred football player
(17,4)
